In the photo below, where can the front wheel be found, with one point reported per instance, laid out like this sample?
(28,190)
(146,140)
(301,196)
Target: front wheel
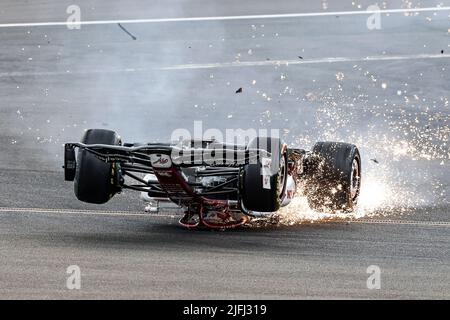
(333,177)
(95,180)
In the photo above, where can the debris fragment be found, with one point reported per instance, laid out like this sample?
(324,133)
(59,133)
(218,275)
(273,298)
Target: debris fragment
(374,160)
(239,90)
(126,31)
(300,57)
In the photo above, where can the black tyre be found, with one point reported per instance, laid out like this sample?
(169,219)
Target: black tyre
(333,177)
(260,195)
(95,180)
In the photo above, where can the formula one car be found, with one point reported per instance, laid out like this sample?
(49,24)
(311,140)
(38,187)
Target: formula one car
(217,184)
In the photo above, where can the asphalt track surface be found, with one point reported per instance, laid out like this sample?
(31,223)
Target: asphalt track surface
(316,78)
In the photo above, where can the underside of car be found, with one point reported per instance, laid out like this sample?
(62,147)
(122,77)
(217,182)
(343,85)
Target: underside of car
(217,185)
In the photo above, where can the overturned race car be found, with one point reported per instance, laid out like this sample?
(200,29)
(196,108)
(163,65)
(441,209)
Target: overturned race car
(217,185)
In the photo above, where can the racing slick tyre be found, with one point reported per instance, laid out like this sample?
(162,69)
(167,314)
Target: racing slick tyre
(95,180)
(333,177)
(264,182)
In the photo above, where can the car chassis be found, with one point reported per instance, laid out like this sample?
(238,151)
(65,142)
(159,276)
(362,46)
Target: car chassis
(206,178)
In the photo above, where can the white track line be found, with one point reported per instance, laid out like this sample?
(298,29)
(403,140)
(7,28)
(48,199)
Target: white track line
(83,212)
(218,65)
(222,18)
(404,222)
(311,61)
(130,213)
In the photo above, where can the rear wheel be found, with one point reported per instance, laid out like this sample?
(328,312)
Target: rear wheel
(333,177)
(95,180)
(264,181)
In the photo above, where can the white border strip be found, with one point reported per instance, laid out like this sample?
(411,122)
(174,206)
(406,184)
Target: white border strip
(83,212)
(404,222)
(223,18)
(310,61)
(130,213)
(219,65)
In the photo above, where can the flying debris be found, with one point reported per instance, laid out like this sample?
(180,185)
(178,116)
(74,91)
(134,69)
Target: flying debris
(239,90)
(126,31)
(374,160)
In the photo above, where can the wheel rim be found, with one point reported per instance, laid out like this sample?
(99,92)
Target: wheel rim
(355,179)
